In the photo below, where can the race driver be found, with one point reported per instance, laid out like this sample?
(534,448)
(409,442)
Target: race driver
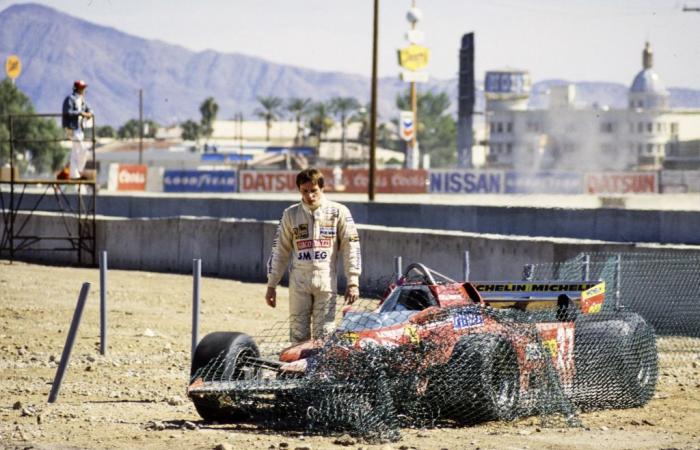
(312,233)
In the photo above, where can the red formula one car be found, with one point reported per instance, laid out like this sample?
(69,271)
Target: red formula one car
(439,349)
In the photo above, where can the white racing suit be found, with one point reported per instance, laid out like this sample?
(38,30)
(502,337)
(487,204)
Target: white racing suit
(313,239)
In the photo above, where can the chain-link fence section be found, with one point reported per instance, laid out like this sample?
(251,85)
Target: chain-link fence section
(662,288)
(436,353)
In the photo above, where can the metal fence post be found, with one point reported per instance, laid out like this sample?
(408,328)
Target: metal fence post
(618,279)
(197,276)
(103,303)
(528,272)
(398,267)
(586,267)
(465,265)
(70,340)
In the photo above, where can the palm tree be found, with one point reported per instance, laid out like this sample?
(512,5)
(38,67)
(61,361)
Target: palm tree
(343,107)
(299,107)
(270,111)
(209,108)
(320,121)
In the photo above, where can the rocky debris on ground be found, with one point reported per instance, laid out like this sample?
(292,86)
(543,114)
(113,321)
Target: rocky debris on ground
(175,400)
(344,440)
(223,446)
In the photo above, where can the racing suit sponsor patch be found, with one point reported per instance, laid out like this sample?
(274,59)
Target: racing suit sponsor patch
(313,243)
(327,231)
(301,232)
(465,319)
(312,255)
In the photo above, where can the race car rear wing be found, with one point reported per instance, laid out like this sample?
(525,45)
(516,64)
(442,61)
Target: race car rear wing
(589,294)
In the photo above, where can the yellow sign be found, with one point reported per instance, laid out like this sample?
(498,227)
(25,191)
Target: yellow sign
(13,66)
(414,57)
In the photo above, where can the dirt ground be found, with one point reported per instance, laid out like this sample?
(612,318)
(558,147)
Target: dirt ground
(134,397)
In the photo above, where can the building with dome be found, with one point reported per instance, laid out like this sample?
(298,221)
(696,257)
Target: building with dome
(647,135)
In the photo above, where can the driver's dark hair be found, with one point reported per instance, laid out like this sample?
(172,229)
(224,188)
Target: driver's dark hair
(312,175)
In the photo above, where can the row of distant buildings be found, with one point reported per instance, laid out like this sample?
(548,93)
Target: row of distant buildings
(647,135)
(565,136)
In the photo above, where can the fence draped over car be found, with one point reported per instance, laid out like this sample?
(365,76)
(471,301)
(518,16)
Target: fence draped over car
(464,363)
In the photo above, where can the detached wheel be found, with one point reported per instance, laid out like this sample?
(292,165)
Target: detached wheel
(616,361)
(222,356)
(641,361)
(481,381)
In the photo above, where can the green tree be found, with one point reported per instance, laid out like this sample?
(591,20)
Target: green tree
(130,130)
(270,111)
(343,108)
(36,139)
(105,131)
(437,130)
(190,130)
(299,108)
(320,121)
(209,109)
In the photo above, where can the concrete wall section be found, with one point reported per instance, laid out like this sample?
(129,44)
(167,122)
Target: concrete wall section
(608,224)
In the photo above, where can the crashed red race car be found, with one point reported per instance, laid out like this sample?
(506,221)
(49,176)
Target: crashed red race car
(460,351)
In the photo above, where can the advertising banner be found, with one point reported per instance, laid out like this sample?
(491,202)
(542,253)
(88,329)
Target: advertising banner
(621,183)
(131,177)
(466,182)
(679,181)
(199,181)
(397,181)
(268,181)
(543,183)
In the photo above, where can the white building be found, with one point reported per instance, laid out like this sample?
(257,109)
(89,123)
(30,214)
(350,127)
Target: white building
(567,136)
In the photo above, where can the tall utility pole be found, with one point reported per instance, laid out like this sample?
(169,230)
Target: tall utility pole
(373,110)
(414,100)
(140,126)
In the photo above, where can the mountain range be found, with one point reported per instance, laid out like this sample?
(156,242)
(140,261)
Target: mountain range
(56,48)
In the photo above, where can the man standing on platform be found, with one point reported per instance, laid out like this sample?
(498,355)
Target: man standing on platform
(75,110)
(312,233)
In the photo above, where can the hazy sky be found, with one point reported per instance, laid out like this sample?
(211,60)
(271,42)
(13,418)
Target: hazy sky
(579,40)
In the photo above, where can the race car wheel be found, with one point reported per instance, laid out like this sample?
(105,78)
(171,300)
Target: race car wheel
(221,356)
(641,362)
(616,361)
(482,380)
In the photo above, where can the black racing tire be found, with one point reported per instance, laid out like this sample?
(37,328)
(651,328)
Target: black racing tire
(481,381)
(616,361)
(220,356)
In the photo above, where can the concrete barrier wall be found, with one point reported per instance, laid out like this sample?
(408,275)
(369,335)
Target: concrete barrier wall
(607,224)
(239,249)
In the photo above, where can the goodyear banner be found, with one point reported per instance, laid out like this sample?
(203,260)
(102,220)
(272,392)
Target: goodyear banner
(199,181)
(466,182)
(543,183)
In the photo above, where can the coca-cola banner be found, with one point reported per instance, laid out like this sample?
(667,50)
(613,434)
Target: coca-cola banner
(131,177)
(621,183)
(396,181)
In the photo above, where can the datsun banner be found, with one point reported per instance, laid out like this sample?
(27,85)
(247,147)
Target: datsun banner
(199,181)
(466,182)
(621,183)
(543,183)
(268,181)
(131,177)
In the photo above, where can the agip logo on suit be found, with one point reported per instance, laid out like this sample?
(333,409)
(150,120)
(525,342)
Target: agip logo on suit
(199,181)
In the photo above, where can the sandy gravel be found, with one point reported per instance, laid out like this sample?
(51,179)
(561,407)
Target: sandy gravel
(135,396)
